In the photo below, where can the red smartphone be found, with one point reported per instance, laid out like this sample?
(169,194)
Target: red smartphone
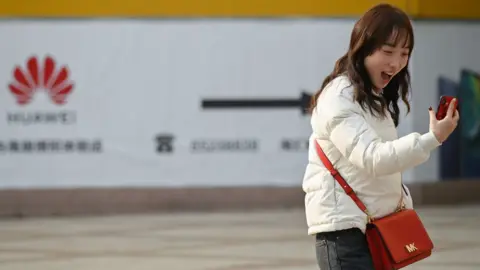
(443,106)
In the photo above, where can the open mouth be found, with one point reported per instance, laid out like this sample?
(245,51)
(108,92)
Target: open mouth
(386,76)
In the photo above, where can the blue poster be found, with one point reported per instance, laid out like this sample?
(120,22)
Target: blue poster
(450,163)
(470,123)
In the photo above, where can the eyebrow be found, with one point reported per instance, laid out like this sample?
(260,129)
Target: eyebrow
(393,45)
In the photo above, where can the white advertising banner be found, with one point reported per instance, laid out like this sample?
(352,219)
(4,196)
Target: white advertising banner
(194,103)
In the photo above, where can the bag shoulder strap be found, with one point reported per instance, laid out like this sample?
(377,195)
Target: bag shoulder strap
(339,178)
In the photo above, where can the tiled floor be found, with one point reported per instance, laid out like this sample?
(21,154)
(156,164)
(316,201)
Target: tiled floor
(228,241)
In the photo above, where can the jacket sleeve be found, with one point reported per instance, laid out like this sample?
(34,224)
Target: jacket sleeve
(360,144)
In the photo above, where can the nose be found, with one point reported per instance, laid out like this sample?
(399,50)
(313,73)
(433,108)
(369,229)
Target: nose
(398,61)
(395,64)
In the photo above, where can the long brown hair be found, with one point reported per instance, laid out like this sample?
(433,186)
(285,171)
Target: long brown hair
(377,26)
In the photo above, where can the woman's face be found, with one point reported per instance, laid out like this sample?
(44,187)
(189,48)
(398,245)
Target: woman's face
(386,62)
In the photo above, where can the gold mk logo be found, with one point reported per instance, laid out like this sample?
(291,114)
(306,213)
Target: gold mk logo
(411,247)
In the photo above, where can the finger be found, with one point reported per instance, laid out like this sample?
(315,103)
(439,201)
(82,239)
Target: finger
(432,113)
(456,116)
(451,108)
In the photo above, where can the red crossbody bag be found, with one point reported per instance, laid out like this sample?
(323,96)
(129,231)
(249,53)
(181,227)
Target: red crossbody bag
(396,240)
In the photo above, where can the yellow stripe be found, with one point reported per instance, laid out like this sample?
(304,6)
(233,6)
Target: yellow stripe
(430,9)
(189,8)
(448,9)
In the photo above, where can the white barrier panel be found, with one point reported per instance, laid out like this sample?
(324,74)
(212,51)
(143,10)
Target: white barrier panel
(134,114)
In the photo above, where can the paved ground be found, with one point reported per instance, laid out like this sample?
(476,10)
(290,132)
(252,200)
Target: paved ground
(229,241)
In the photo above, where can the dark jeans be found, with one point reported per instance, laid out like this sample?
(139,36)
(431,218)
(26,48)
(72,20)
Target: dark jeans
(343,250)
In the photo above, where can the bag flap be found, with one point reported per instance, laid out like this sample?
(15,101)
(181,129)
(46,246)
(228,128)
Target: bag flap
(404,235)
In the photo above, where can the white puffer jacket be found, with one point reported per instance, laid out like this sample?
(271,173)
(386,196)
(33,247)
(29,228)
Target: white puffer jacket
(367,152)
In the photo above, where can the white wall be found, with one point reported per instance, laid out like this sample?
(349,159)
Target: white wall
(134,80)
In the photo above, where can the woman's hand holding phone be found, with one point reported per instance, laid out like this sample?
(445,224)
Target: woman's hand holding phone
(444,127)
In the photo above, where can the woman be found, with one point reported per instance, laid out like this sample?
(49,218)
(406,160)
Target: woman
(354,119)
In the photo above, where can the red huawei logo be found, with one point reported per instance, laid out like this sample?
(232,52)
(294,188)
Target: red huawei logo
(35,77)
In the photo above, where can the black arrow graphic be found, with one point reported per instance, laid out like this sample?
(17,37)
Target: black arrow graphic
(302,103)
